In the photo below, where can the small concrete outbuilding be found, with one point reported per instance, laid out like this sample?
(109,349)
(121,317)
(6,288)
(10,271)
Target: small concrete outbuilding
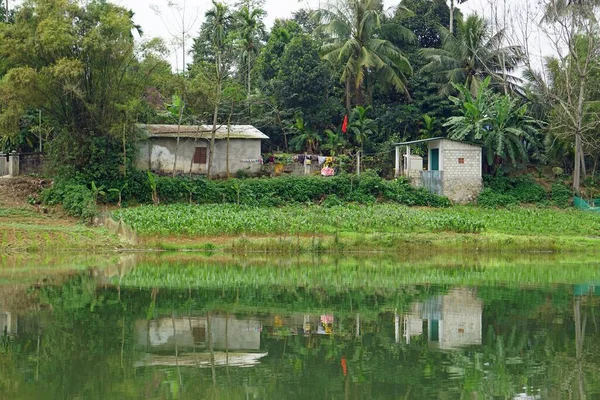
(238,146)
(454,168)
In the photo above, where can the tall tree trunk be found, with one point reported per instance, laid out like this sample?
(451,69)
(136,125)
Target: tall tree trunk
(6,13)
(213,133)
(227,155)
(348,95)
(578,140)
(249,70)
(195,143)
(451,16)
(181,108)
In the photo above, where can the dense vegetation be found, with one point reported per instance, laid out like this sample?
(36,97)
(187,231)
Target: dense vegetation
(417,70)
(383,218)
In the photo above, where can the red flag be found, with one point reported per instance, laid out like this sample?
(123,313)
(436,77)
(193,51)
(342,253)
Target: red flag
(345,124)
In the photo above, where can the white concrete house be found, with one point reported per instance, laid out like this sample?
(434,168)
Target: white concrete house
(454,169)
(236,145)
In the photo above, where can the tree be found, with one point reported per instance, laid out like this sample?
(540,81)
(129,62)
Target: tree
(78,65)
(498,122)
(251,32)
(352,28)
(361,126)
(305,82)
(451,28)
(219,20)
(471,55)
(305,138)
(572,29)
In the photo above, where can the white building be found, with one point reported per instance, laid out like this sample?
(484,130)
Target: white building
(454,169)
(237,147)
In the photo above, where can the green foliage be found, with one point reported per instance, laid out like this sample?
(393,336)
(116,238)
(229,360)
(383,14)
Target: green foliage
(500,123)
(367,189)
(471,55)
(235,220)
(353,29)
(506,191)
(77,63)
(561,194)
(490,198)
(77,200)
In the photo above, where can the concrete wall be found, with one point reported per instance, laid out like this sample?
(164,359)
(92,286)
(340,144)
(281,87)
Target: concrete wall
(462,182)
(3,165)
(461,323)
(158,155)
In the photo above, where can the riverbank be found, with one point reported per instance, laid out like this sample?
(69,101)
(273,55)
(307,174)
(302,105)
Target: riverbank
(355,228)
(383,228)
(26,229)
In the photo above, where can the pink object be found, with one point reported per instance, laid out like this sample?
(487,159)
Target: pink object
(328,171)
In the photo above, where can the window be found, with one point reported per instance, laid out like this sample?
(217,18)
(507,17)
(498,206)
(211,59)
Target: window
(200,155)
(461,160)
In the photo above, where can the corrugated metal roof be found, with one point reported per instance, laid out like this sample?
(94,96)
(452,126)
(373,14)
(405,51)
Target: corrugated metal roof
(434,139)
(203,131)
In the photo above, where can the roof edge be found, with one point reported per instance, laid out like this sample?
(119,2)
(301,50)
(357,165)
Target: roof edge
(433,140)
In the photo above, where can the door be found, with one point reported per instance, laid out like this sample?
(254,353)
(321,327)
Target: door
(434,156)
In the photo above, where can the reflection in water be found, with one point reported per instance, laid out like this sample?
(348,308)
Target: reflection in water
(453,320)
(92,336)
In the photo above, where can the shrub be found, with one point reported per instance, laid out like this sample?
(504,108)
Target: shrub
(76,199)
(366,189)
(490,198)
(561,195)
(504,191)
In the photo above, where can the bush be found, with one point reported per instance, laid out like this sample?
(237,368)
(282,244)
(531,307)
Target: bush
(366,189)
(492,199)
(503,191)
(76,199)
(561,195)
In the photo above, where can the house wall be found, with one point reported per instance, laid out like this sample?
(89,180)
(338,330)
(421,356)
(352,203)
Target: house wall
(462,183)
(158,155)
(462,315)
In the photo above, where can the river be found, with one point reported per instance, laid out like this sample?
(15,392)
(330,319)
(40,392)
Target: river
(195,326)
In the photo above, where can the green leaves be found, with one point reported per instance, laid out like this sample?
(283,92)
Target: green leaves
(353,29)
(498,122)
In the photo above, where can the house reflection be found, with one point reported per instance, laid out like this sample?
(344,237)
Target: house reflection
(203,341)
(451,321)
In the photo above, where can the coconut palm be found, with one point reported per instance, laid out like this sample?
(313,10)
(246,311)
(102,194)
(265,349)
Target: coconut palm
(352,28)
(471,55)
(252,30)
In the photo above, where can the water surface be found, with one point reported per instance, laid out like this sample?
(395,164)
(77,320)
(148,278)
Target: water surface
(413,327)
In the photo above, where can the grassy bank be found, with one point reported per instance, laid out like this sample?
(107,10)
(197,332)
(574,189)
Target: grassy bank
(380,227)
(26,230)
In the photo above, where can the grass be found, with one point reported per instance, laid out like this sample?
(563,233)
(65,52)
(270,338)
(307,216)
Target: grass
(362,228)
(376,274)
(24,230)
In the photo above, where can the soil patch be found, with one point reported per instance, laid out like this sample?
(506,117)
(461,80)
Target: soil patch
(15,192)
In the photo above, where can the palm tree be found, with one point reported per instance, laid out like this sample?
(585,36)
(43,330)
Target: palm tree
(352,27)
(361,126)
(252,30)
(305,138)
(219,19)
(471,55)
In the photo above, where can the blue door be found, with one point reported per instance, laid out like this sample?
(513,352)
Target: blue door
(434,156)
